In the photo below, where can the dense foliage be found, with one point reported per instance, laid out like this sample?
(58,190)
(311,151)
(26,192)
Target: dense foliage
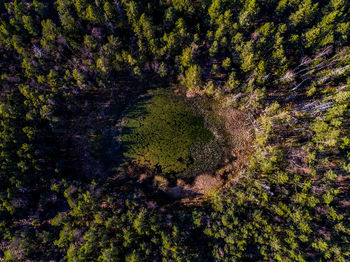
(70,68)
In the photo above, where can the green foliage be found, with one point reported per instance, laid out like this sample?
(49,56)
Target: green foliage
(304,14)
(192,79)
(49,32)
(226,63)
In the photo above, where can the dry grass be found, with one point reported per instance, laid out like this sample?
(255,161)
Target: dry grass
(239,136)
(237,126)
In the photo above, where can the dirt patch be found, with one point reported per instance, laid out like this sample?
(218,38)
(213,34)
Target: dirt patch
(201,186)
(205,183)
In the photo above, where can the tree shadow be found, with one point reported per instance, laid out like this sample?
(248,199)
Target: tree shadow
(114,155)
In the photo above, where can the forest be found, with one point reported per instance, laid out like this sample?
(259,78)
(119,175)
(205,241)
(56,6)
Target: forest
(174,130)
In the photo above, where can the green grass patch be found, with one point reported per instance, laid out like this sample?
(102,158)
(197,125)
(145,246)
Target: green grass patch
(163,133)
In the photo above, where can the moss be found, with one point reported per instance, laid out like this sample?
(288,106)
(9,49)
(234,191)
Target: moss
(162,132)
